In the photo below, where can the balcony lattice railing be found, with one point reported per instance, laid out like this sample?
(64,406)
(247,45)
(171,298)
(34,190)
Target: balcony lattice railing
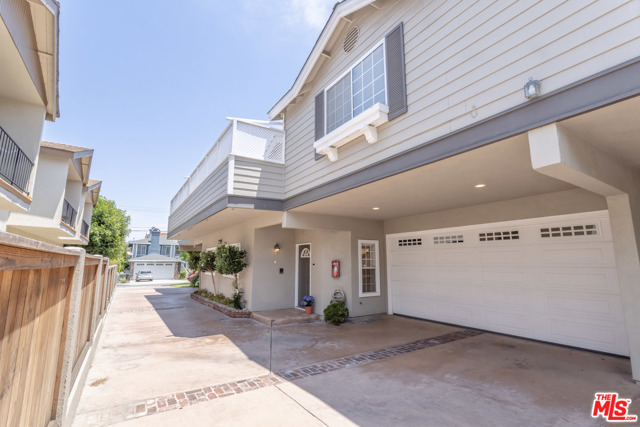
(85,229)
(15,166)
(68,214)
(245,138)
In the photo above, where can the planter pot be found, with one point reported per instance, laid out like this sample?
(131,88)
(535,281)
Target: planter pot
(308,310)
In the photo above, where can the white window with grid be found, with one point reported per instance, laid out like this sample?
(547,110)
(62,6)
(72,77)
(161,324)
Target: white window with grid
(339,103)
(359,89)
(369,271)
(368,81)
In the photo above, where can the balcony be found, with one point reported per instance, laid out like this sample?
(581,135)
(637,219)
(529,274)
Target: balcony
(69,214)
(15,166)
(85,229)
(246,161)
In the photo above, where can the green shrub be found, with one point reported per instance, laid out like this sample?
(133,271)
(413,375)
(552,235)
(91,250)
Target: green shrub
(183,274)
(336,312)
(230,260)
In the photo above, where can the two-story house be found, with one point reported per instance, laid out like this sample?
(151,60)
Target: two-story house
(63,197)
(474,163)
(157,254)
(28,95)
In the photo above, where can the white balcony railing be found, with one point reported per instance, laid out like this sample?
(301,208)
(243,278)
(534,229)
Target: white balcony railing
(245,138)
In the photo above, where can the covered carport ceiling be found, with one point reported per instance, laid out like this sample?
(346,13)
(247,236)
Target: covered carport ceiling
(503,167)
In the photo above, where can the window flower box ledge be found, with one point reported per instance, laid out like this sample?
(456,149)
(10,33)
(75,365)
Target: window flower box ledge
(365,123)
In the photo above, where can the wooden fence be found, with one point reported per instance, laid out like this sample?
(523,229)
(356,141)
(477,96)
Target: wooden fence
(52,304)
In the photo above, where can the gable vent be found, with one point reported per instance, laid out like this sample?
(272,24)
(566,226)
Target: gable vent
(410,242)
(351,39)
(569,231)
(443,240)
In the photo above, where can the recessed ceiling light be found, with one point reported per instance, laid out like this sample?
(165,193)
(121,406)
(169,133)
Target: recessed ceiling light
(376,208)
(479,185)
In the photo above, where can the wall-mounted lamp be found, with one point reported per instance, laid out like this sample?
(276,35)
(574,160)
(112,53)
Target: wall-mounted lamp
(532,88)
(219,241)
(276,248)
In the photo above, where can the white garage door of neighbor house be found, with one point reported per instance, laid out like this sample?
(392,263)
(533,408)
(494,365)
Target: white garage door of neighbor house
(551,279)
(160,271)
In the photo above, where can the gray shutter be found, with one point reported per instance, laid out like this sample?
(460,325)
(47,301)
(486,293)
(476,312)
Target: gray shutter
(396,81)
(319,120)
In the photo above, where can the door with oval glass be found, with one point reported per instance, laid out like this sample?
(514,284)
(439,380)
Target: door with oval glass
(303,271)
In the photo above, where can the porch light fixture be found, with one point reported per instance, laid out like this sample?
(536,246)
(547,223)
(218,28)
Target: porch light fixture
(532,88)
(276,248)
(480,185)
(376,208)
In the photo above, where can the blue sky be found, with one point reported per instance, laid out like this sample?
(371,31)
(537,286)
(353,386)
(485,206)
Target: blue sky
(148,83)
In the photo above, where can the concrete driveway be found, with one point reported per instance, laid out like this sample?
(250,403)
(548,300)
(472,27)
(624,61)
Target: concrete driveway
(165,360)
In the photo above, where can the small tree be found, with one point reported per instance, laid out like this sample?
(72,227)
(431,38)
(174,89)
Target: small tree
(192,258)
(230,260)
(208,263)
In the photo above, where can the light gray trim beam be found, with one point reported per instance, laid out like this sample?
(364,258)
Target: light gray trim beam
(229,201)
(607,87)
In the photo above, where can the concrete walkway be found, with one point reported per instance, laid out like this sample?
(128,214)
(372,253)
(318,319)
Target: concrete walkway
(166,360)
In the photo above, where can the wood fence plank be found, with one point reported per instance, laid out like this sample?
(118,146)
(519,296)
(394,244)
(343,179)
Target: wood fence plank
(12,258)
(23,357)
(37,352)
(10,340)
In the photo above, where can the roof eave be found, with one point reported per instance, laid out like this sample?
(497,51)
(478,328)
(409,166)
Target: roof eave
(340,11)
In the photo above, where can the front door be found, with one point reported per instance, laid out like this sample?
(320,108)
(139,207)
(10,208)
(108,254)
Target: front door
(304,272)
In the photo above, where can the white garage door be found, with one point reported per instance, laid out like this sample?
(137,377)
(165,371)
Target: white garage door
(552,279)
(159,270)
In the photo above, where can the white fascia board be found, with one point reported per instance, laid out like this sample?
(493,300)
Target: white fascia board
(341,10)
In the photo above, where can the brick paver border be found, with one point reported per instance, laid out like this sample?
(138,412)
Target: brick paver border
(204,394)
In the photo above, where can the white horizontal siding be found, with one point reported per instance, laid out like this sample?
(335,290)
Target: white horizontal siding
(461,54)
(212,188)
(255,178)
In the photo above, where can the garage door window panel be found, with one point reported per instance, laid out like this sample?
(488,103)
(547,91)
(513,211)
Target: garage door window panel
(369,272)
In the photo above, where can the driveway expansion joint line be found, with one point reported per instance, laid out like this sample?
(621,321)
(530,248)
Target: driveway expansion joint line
(204,394)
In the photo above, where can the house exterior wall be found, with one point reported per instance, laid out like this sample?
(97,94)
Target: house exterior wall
(48,193)
(560,203)
(464,62)
(213,187)
(16,15)
(272,290)
(23,122)
(255,178)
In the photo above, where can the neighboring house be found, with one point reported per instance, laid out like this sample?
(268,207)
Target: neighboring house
(415,160)
(157,254)
(141,247)
(28,95)
(63,197)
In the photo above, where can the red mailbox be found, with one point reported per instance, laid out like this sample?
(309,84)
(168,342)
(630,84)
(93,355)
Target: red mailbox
(335,268)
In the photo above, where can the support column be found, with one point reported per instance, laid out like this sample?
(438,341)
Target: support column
(560,154)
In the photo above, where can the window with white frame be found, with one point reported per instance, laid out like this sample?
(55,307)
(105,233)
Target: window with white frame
(141,250)
(361,87)
(369,272)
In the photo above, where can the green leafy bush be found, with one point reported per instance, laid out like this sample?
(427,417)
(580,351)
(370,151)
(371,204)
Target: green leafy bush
(183,274)
(336,312)
(230,261)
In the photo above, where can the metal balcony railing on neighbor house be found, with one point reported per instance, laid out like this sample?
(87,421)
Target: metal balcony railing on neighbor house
(253,139)
(68,214)
(15,166)
(85,229)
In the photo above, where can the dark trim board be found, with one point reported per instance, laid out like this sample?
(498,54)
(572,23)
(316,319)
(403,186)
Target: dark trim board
(599,90)
(607,87)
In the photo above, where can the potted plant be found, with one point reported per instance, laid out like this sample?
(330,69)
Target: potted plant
(336,312)
(307,302)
